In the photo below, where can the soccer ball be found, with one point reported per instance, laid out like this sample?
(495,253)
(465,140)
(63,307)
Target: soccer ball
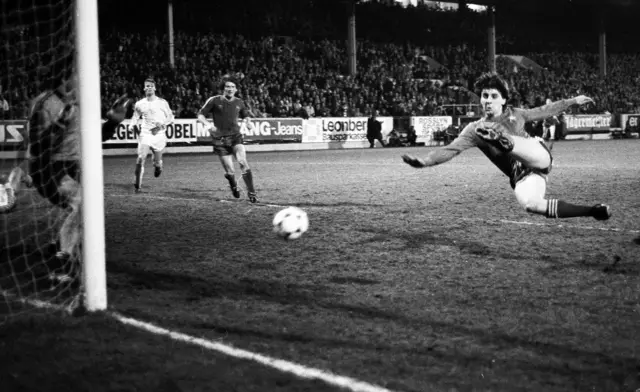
(290,223)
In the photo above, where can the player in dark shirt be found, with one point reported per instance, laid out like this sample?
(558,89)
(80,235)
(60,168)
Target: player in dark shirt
(227,139)
(526,160)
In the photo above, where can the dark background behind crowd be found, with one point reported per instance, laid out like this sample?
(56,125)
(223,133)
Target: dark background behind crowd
(290,55)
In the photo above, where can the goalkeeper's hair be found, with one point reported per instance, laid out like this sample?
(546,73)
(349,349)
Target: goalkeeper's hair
(150,80)
(491,80)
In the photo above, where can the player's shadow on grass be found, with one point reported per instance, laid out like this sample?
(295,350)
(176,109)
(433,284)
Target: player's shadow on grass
(439,336)
(433,237)
(613,265)
(195,288)
(317,296)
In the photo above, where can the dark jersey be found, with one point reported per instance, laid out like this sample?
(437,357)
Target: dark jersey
(511,121)
(225,113)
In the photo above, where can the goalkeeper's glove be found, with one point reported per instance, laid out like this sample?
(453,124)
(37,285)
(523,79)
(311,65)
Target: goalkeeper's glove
(118,110)
(115,116)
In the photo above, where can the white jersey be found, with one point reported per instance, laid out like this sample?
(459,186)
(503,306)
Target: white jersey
(150,114)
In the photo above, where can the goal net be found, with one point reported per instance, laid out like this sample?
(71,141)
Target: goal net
(42,260)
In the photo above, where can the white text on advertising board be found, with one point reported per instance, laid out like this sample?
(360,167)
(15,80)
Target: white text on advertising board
(11,133)
(575,122)
(173,132)
(273,127)
(182,130)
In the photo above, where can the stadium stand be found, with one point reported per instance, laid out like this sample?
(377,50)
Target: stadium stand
(429,62)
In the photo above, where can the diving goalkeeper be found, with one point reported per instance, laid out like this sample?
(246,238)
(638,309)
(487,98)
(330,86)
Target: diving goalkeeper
(54,167)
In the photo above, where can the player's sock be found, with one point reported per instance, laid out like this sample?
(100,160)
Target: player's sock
(158,169)
(139,174)
(561,209)
(248,179)
(233,184)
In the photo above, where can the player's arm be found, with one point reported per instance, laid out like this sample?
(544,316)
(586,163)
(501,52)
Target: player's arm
(203,112)
(170,116)
(246,115)
(552,109)
(466,140)
(135,119)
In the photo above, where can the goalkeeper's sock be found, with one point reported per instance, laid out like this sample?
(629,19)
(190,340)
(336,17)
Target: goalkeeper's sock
(561,209)
(139,174)
(248,179)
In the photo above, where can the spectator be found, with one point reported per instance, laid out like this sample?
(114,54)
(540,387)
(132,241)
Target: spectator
(374,130)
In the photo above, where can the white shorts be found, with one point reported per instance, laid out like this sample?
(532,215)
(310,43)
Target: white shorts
(157,142)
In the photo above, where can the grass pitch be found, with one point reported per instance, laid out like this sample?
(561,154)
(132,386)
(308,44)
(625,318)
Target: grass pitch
(415,280)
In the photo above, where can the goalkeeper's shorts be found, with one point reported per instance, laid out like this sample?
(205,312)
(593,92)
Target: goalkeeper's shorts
(48,177)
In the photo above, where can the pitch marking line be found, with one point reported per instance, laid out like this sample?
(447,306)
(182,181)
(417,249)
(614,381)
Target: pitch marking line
(488,221)
(284,366)
(295,369)
(187,199)
(572,226)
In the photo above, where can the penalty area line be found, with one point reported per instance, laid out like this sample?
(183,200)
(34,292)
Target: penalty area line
(560,225)
(539,224)
(275,363)
(502,221)
(189,199)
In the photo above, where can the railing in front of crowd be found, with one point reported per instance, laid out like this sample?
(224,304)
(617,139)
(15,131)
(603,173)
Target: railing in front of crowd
(461,110)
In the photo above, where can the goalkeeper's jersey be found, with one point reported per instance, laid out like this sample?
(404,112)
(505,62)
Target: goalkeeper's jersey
(511,122)
(149,113)
(52,107)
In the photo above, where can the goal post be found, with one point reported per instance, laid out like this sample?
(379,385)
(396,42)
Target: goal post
(52,222)
(88,66)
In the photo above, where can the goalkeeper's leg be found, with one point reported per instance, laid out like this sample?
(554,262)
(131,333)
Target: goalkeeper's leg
(70,234)
(71,229)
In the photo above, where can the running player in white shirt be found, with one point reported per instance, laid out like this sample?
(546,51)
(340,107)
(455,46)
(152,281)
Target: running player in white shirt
(151,115)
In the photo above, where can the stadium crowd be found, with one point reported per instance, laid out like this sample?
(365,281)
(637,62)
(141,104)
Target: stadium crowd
(299,68)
